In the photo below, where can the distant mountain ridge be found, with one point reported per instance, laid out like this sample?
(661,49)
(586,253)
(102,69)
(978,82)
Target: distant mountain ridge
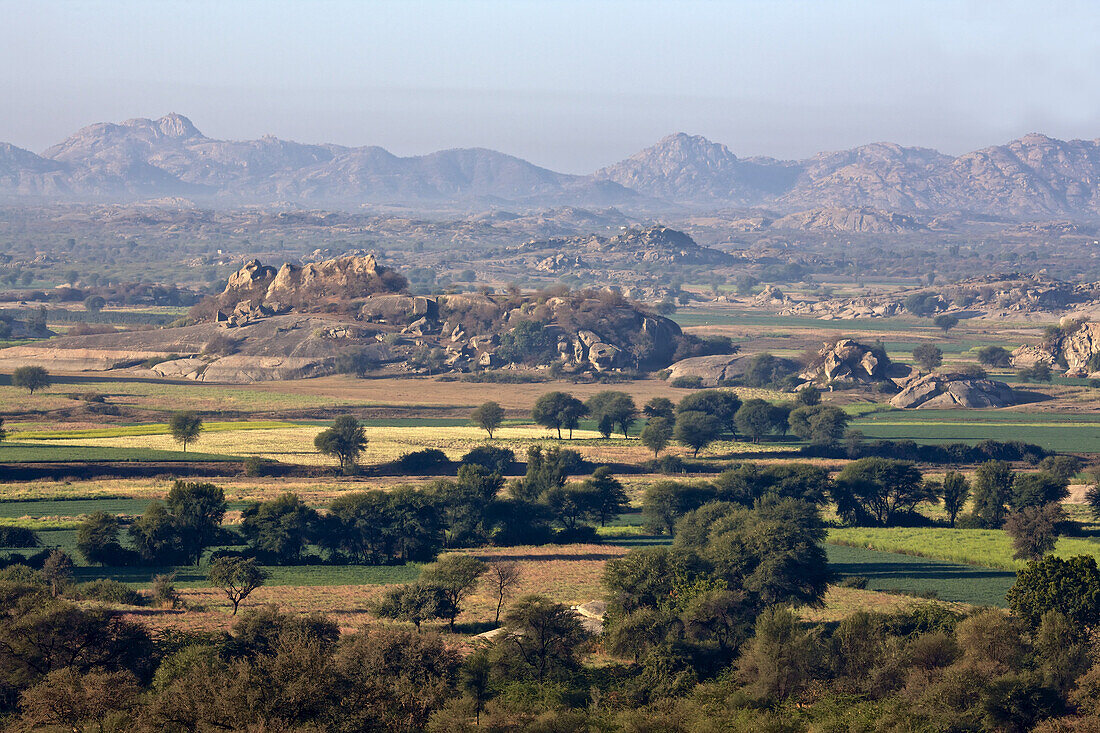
(1034,176)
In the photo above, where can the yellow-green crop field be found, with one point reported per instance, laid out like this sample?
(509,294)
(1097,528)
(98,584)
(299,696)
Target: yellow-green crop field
(988,547)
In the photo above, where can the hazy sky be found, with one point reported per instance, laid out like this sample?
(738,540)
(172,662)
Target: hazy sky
(569,85)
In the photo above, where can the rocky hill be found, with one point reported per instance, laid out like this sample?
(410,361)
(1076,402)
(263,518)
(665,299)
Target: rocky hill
(1033,177)
(350,314)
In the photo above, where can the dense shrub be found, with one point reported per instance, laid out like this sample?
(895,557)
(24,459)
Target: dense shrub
(428,460)
(490,457)
(18,537)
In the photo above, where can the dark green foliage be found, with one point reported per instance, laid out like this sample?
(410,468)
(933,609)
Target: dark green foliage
(879,490)
(415,603)
(490,457)
(422,462)
(345,440)
(279,530)
(665,502)
(757,418)
(558,411)
(105,590)
(530,342)
(945,322)
(197,510)
(19,537)
(686,382)
(488,417)
(746,483)
(993,483)
(546,469)
(657,434)
(819,424)
(185,427)
(1037,490)
(1062,467)
(720,404)
(609,499)
(660,407)
(1036,373)
(922,304)
(541,640)
(610,408)
(928,356)
(456,576)
(766,370)
(1071,587)
(30,378)
(995,356)
(955,491)
(808,396)
(1034,530)
(696,430)
(97,538)
(237,577)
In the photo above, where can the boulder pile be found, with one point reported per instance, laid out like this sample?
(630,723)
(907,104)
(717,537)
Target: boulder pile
(948,391)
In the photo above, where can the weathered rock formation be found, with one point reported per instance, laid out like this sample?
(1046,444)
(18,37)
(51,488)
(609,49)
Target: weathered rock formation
(1074,346)
(712,370)
(947,391)
(850,361)
(258,290)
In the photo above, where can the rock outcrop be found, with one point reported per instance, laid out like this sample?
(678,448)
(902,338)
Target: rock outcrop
(850,361)
(712,370)
(948,391)
(1074,345)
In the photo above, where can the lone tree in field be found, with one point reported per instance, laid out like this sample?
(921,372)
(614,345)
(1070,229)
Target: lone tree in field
(928,356)
(3,431)
(488,417)
(237,577)
(945,322)
(185,427)
(30,378)
(345,440)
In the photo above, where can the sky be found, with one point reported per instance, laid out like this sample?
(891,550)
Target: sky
(570,85)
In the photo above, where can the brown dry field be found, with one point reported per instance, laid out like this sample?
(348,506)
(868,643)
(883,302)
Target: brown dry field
(568,574)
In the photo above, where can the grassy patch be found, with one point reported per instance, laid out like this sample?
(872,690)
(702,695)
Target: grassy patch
(915,576)
(57,451)
(989,547)
(122,431)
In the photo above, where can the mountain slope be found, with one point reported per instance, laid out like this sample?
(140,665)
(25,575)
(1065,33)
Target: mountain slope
(1033,177)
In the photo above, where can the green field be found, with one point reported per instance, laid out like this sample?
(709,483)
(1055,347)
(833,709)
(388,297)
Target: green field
(46,453)
(77,507)
(892,572)
(122,431)
(1067,437)
(989,547)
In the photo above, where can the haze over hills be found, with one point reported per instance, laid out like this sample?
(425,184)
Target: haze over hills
(1033,177)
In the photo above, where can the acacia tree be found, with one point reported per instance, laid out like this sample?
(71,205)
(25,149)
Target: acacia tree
(488,417)
(956,490)
(30,378)
(928,356)
(456,576)
(558,410)
(237,577)
(345,440)
(611,408)
(196,510)
(697,430)
(185,427)
(657,434)
(878,489)
(502,578)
